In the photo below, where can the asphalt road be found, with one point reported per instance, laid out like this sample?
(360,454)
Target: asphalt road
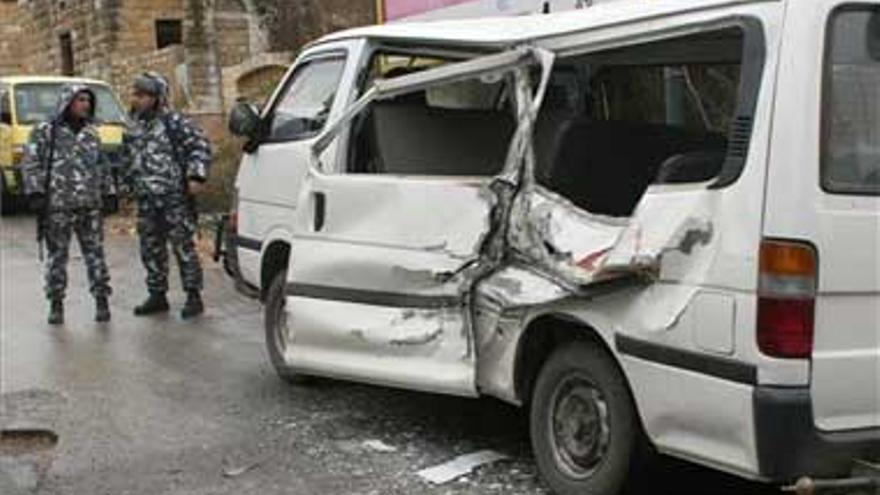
(161,406)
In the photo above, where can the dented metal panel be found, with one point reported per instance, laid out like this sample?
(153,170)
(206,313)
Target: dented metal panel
(527,247)
(381,289)
(563,241)
(669,238)
(667,222)
(518,286)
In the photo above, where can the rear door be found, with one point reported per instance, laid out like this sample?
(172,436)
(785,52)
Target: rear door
(846,358)
(824,188)
(378,287)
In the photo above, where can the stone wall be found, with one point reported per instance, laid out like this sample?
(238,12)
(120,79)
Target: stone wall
(116,39)
(291,24)
(169,62)
(10,39)
(232,22)
(230,48)
(254,79)
(136,31)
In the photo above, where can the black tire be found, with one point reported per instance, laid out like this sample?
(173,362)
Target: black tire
(275,321)
(591,446)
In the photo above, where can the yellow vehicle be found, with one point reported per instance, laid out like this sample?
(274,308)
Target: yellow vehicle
(28,100)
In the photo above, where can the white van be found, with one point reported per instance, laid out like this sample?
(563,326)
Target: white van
(650,223)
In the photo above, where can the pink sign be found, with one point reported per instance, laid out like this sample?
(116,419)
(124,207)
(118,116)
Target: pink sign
(398,9)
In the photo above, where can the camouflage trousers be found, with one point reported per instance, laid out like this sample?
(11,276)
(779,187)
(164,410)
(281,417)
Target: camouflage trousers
(163,222)
(88,224)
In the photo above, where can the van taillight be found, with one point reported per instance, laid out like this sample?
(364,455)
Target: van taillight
(786,299)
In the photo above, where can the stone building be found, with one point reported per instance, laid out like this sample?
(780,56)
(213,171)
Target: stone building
(10,33)
(212,50)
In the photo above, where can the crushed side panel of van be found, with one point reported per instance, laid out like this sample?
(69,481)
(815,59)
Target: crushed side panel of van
(471,257)
(539,248)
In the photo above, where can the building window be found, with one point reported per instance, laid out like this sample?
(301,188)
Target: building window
(65,41)
(168,32)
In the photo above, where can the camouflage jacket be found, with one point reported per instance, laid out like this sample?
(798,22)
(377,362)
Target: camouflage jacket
(80,171)
(155,158)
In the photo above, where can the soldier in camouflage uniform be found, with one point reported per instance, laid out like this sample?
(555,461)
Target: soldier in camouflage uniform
(166,160)
(71,199)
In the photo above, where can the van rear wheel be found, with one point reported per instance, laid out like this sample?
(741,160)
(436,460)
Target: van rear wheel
(278,331)
(583,424)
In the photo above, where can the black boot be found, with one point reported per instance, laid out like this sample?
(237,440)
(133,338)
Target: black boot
(156,303)
(194,305)
(56,312)
(102,309)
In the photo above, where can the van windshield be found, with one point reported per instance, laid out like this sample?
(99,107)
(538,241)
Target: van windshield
(35,103)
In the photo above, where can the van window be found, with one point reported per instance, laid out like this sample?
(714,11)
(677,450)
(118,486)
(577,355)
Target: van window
(615,122)
(457,129)
(5,109)
(302,109)
(37,102)
(851,134)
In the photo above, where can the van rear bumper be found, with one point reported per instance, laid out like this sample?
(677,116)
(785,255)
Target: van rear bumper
(790,446)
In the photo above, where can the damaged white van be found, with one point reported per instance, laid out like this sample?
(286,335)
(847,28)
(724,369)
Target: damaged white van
(650,223)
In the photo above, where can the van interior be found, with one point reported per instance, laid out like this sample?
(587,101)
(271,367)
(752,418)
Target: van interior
(612,122)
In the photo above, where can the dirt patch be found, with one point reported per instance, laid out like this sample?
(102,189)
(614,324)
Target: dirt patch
(25,458)
(15,443)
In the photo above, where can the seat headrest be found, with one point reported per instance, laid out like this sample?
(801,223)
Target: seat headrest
(693,166)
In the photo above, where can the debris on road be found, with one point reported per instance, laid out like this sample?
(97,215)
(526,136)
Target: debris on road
(351,447)
(459,466)
(240,470)
(378,446)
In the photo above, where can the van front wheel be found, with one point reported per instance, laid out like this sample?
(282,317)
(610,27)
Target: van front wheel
(582,422)
(278,330)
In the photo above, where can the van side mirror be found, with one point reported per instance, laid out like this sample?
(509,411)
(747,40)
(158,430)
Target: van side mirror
(6,118)
(245,121)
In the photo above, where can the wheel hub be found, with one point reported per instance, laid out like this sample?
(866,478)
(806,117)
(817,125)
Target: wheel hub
(580,427)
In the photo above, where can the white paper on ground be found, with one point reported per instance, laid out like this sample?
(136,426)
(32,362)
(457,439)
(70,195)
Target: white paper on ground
(379,446)
(459,466)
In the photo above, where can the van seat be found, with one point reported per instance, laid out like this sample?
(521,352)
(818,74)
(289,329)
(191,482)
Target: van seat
(693,166)
(412,139)
(605,167)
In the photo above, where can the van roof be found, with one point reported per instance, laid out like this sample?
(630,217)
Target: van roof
(519,29)
(49,79)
